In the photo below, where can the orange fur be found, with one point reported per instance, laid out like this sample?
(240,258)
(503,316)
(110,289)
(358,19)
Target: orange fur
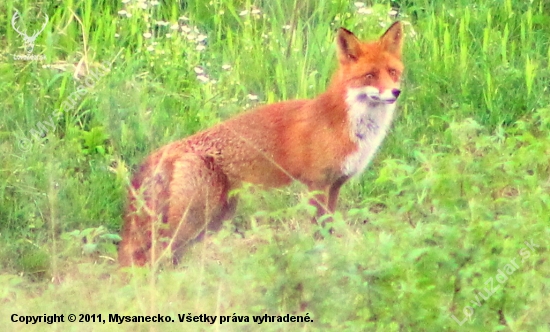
(182,188)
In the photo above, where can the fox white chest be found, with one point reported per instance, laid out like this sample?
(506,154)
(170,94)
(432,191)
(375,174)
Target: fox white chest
(369,121)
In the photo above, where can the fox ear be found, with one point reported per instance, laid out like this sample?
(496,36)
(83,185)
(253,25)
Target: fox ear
(349,47)
(392,39)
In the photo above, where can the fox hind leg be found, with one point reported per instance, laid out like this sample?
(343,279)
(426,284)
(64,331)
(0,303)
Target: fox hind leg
(198,200)
(172,199)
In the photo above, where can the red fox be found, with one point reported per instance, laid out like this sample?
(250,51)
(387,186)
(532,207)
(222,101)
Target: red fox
(182,189)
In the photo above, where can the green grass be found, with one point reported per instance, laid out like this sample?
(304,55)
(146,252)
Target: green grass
(460,185)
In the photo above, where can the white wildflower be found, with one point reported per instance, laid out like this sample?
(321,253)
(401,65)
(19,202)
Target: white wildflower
(142,5)
(203,78)
(364,11)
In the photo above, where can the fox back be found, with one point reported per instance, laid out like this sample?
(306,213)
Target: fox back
(181,190)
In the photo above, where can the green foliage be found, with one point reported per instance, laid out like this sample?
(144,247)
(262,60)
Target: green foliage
(32,260)
(92,240)
(458,194)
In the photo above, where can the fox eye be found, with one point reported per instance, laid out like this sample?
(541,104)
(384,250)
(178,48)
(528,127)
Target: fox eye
(392,72)
(369,76)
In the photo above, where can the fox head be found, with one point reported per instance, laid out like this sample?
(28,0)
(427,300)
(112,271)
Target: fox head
(372,70)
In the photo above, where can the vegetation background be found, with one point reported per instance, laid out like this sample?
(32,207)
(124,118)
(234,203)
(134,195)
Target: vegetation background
(429,235)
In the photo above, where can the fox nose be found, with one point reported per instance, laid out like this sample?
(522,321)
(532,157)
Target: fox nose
(395,92)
